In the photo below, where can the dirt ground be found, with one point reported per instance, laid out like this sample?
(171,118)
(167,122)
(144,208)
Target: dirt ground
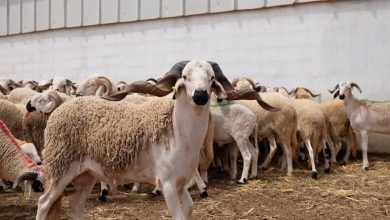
(347,193)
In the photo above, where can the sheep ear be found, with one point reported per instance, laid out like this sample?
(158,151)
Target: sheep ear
(218,89)
(178,87)
(336,94)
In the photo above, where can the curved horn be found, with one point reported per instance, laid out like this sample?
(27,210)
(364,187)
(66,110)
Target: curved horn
(334,89)
(105,82)
(250,94)
(356,86)
(46,85)
(152,79)
(25,176)
(220,77)
(162,88)
(336,94)
(312,95)
(294,90)
(68,82)
(55,99)
(251,82)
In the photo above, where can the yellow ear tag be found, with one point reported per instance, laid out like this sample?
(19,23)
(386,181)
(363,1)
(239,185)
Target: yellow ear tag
(25,194)
(173,89)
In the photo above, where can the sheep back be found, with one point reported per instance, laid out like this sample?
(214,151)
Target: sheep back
(13,118)
(21,95)
(111,133)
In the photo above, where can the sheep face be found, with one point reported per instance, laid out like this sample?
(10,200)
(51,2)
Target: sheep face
(197,83)
(344,86)
(8,85)
(43,103)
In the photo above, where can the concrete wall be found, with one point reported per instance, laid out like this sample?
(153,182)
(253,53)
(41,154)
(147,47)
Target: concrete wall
(315,45)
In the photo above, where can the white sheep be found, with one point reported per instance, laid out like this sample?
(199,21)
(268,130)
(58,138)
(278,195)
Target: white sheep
(278,127)
(234,123)
(364,116)
(7,85)
(106,141)
(59,84)
(17,167)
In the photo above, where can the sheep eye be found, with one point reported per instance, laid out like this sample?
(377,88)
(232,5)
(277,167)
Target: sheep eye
(185,77)
(212,78)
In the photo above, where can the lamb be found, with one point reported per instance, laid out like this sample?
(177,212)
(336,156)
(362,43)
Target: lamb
(364,116)
(106,142)
(21,95)
(235,123)
(17,167)
(96,85)
(279,127)
(30,84)
(312,130)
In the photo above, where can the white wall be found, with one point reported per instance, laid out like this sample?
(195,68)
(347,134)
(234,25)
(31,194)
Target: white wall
(314,44)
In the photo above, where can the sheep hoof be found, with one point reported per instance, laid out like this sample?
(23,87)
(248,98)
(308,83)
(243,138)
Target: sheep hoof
(245,181)
(343,163)
(327,170)
(204,194)
(155,194)
(263,167)
(365,168)
(103,195)
(314,175)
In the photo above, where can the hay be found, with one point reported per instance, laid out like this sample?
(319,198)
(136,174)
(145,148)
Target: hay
(346,193)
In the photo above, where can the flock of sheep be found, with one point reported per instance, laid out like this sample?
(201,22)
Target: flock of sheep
(167,132)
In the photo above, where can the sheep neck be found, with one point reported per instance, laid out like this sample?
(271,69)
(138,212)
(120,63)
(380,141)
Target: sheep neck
(190,125)
(351,103)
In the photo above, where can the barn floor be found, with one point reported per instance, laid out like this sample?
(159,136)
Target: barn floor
(346,193)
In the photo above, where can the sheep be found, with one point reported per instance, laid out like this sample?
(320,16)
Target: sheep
(337,123)
(59,84)
(235,123)
(13,118)
(312,130)
(17,167)
(364,116)
(96,85)
(30,84)
(280,126)
(39,108)
(21,95)
(106,141)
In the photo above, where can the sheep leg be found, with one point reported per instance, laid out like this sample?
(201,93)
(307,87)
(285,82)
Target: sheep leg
(187,202)
(84,185)
(171,196)
(288,157)
(331,146)
(364,146)
(255,157)
(347,153)
(247,158)
(53,193)
(272,146)
(327,155)
(200,184)
(314,173)
(157,190)
(233,152)
(103,192)
(225,160)
(204,176)
(136,187)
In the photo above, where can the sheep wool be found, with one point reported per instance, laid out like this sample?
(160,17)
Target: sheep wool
(34,124)
(13,118)
(21,95)
(111,133)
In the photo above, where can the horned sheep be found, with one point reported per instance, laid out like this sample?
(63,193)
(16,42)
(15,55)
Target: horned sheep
(364,116)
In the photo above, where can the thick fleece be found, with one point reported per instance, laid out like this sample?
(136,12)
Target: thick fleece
(13,118)
(111,133)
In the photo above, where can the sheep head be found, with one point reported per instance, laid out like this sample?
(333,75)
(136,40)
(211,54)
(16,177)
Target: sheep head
(302,93)
(7,85)
(343,87)
(45,102)
(196,80)
(95,85)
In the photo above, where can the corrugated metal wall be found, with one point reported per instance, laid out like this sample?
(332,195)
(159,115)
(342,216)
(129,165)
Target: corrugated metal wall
(25,16)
